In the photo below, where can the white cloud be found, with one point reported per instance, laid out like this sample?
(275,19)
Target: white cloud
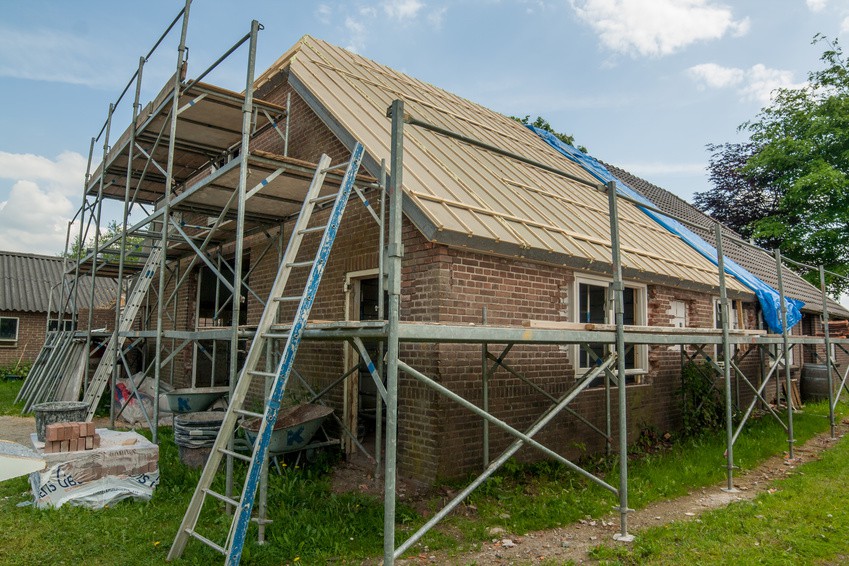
(762,81)
(844,25)
(716,76)
(323,13)
(816,5)
(56,56)
(365,19)
(34,217)
(657,27)
(756,84)
(358,35)
(436,17)
(402,10)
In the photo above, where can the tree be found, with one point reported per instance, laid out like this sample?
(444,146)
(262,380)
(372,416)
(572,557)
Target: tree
(738,200)
(792,176)
(134,243)
(543,124)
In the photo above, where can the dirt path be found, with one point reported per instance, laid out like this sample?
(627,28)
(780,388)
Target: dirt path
(19,429)
(573,542)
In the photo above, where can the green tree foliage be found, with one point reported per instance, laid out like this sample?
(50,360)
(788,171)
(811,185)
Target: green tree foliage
(792,176)
(543,124)
(111,253)
(738,200)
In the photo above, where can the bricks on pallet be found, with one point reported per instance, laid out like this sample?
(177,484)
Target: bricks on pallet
(53,432)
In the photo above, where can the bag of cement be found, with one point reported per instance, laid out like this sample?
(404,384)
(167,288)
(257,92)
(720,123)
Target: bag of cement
(137,395)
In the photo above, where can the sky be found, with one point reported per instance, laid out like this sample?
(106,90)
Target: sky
(642,84)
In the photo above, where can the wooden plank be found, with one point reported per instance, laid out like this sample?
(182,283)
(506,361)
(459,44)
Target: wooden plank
(561,325)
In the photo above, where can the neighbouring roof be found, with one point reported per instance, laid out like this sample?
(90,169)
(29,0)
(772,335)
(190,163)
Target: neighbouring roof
(462,195)
(27,281)
(759,263)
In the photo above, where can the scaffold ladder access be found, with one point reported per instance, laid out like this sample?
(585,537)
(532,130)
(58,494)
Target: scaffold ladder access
(113,347)
(232,548)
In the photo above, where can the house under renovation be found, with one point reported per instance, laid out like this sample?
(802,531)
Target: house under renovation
(456,287)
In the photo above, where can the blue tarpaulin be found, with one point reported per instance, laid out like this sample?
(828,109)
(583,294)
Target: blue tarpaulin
(768,297)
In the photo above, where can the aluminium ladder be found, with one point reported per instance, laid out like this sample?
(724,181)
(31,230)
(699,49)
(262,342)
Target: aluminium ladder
(232,549)
(103,373)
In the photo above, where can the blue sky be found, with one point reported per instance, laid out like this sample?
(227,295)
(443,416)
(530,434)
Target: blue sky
(643,84)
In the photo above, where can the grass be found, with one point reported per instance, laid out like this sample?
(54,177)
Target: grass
(8,391)
(314,525)
(800,521)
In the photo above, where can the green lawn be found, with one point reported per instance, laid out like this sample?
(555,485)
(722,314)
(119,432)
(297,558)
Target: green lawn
(802,520)
(313,525)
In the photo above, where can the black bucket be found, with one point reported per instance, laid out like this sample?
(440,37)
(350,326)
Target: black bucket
(814,382)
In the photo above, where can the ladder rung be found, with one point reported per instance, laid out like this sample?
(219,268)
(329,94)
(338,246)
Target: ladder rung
(313,229)
(235,454)
(224,498)
(262,373)
(300,263)
(207,542)
(293,298)
(245,413)
(325,198)
(276,335)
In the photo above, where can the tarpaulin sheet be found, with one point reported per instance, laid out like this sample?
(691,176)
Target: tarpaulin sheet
(768,297)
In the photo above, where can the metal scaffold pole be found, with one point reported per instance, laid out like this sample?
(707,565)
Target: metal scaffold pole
(122,253)
(785,335)
(726,361)
(247,110)
(79,250)
(394,254)
(828,360)
(619,313)
(166,211)
(97,244)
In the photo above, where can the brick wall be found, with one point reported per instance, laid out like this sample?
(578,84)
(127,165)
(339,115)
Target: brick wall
(31,333)
(437,438)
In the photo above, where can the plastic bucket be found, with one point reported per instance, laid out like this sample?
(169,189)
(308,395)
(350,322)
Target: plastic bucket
(58,412)
(814,384)
(194,435)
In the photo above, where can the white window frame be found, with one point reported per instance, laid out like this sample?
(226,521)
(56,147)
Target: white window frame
(733,305)
(11,341)
(640,298)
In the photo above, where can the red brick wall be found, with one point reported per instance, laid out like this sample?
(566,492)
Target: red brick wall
(437,438)
(31,333)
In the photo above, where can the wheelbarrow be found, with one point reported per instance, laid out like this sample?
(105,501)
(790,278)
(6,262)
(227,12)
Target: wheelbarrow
(294,430)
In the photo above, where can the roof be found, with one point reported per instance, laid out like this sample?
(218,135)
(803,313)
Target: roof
(462,195)
(27,281)
(759,262)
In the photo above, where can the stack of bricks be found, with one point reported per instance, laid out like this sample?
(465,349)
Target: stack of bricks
(70,437)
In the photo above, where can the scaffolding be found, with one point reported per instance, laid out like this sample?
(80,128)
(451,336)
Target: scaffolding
(188,154)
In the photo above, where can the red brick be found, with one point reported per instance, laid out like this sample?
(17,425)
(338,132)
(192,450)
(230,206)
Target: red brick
(53,432)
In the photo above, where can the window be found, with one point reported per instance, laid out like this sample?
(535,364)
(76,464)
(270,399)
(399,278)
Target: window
(678,314)
(53,324)
(593,306)
(8,330)
(734,314)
